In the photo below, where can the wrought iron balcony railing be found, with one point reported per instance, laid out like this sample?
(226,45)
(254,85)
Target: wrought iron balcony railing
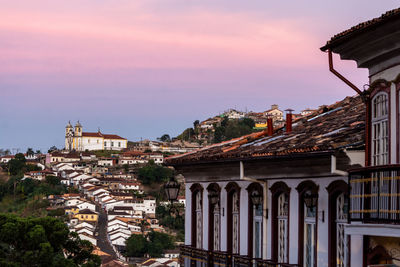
(375,194)
(203,258)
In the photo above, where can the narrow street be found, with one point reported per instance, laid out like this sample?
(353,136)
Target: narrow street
(102,241)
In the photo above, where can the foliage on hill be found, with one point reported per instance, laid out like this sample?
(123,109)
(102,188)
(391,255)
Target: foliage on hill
(18,166)
(153,173)
(105,153)
(153,244)
(42,242)
(175,223)
(27,196)
(232,128)
(228,129)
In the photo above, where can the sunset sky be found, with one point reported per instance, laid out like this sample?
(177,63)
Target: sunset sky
(140,69)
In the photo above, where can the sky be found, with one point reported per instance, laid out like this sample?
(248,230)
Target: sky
(141,69)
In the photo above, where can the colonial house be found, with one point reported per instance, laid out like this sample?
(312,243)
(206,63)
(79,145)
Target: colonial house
(87,215)
(275,113)
(274,200)
(374,207)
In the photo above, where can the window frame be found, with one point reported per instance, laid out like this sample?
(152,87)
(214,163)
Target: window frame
(302,188)
(253,219)
(232,188)
(381,122)
(277,189)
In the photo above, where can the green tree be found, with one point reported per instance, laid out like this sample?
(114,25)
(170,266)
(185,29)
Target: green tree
(42,242)
(165,138)
(51,149)
(136,246)
(153,173)
(30,152)
(187,135)
(17,164)
(159,242)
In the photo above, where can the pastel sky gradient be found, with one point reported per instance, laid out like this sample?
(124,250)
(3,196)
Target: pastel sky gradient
(144,68)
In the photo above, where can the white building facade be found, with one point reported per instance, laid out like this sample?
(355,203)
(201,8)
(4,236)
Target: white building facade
(271,201)
(76,139)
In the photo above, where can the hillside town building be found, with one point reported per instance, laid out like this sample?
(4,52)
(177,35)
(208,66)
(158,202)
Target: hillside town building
(76,139)
(374,207)
(274,199)
(321,192)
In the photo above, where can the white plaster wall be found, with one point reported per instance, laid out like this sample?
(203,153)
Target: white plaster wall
(224,202)
(205,217)
(356,248)
(389,74)
(393,124)
(92,144)
(244,217)
(115,144)
(188,212)
(322,227)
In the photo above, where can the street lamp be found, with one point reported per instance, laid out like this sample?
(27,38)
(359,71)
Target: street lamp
(213,197)
(256,197)
(310,200)
(172,190)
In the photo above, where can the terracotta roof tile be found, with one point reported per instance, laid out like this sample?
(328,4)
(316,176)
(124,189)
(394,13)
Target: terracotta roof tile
(329,128)
(362,27)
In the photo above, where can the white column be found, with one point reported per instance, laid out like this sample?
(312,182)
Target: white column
(244,218)
(393,124)
(322,231)
(266,223)
(205,217)
(223,217)
(188,215)
(267,254)
(294,226)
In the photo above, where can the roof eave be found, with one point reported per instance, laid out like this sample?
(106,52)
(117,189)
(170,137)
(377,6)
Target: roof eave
(228,160)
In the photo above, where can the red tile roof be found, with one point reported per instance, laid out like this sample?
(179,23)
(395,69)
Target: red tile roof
(112,136)
(361,28)
(88,134)
(329,128)
(105,136)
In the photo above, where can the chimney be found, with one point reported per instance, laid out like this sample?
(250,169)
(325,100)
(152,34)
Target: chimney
(270,126)
(288,120)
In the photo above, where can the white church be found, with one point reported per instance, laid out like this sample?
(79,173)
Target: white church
(76,139)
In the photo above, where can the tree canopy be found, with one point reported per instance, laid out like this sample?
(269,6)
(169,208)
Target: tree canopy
(165,138)
(153,244)
(17,165)
(233,128)
(42,242)
(153,173)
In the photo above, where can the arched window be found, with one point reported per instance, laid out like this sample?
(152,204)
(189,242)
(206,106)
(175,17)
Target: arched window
(280,222)
(233,212)
(338,212)
(310,215)
(308,224)
(380,129)
(341,239)
(197,215)
(214,217)
(255,221)
(283,222)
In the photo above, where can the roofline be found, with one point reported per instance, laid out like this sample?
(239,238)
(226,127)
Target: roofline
(373,23)
(228,160)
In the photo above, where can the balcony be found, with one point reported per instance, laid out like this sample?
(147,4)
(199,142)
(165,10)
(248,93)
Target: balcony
(202,258)
(375,194)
